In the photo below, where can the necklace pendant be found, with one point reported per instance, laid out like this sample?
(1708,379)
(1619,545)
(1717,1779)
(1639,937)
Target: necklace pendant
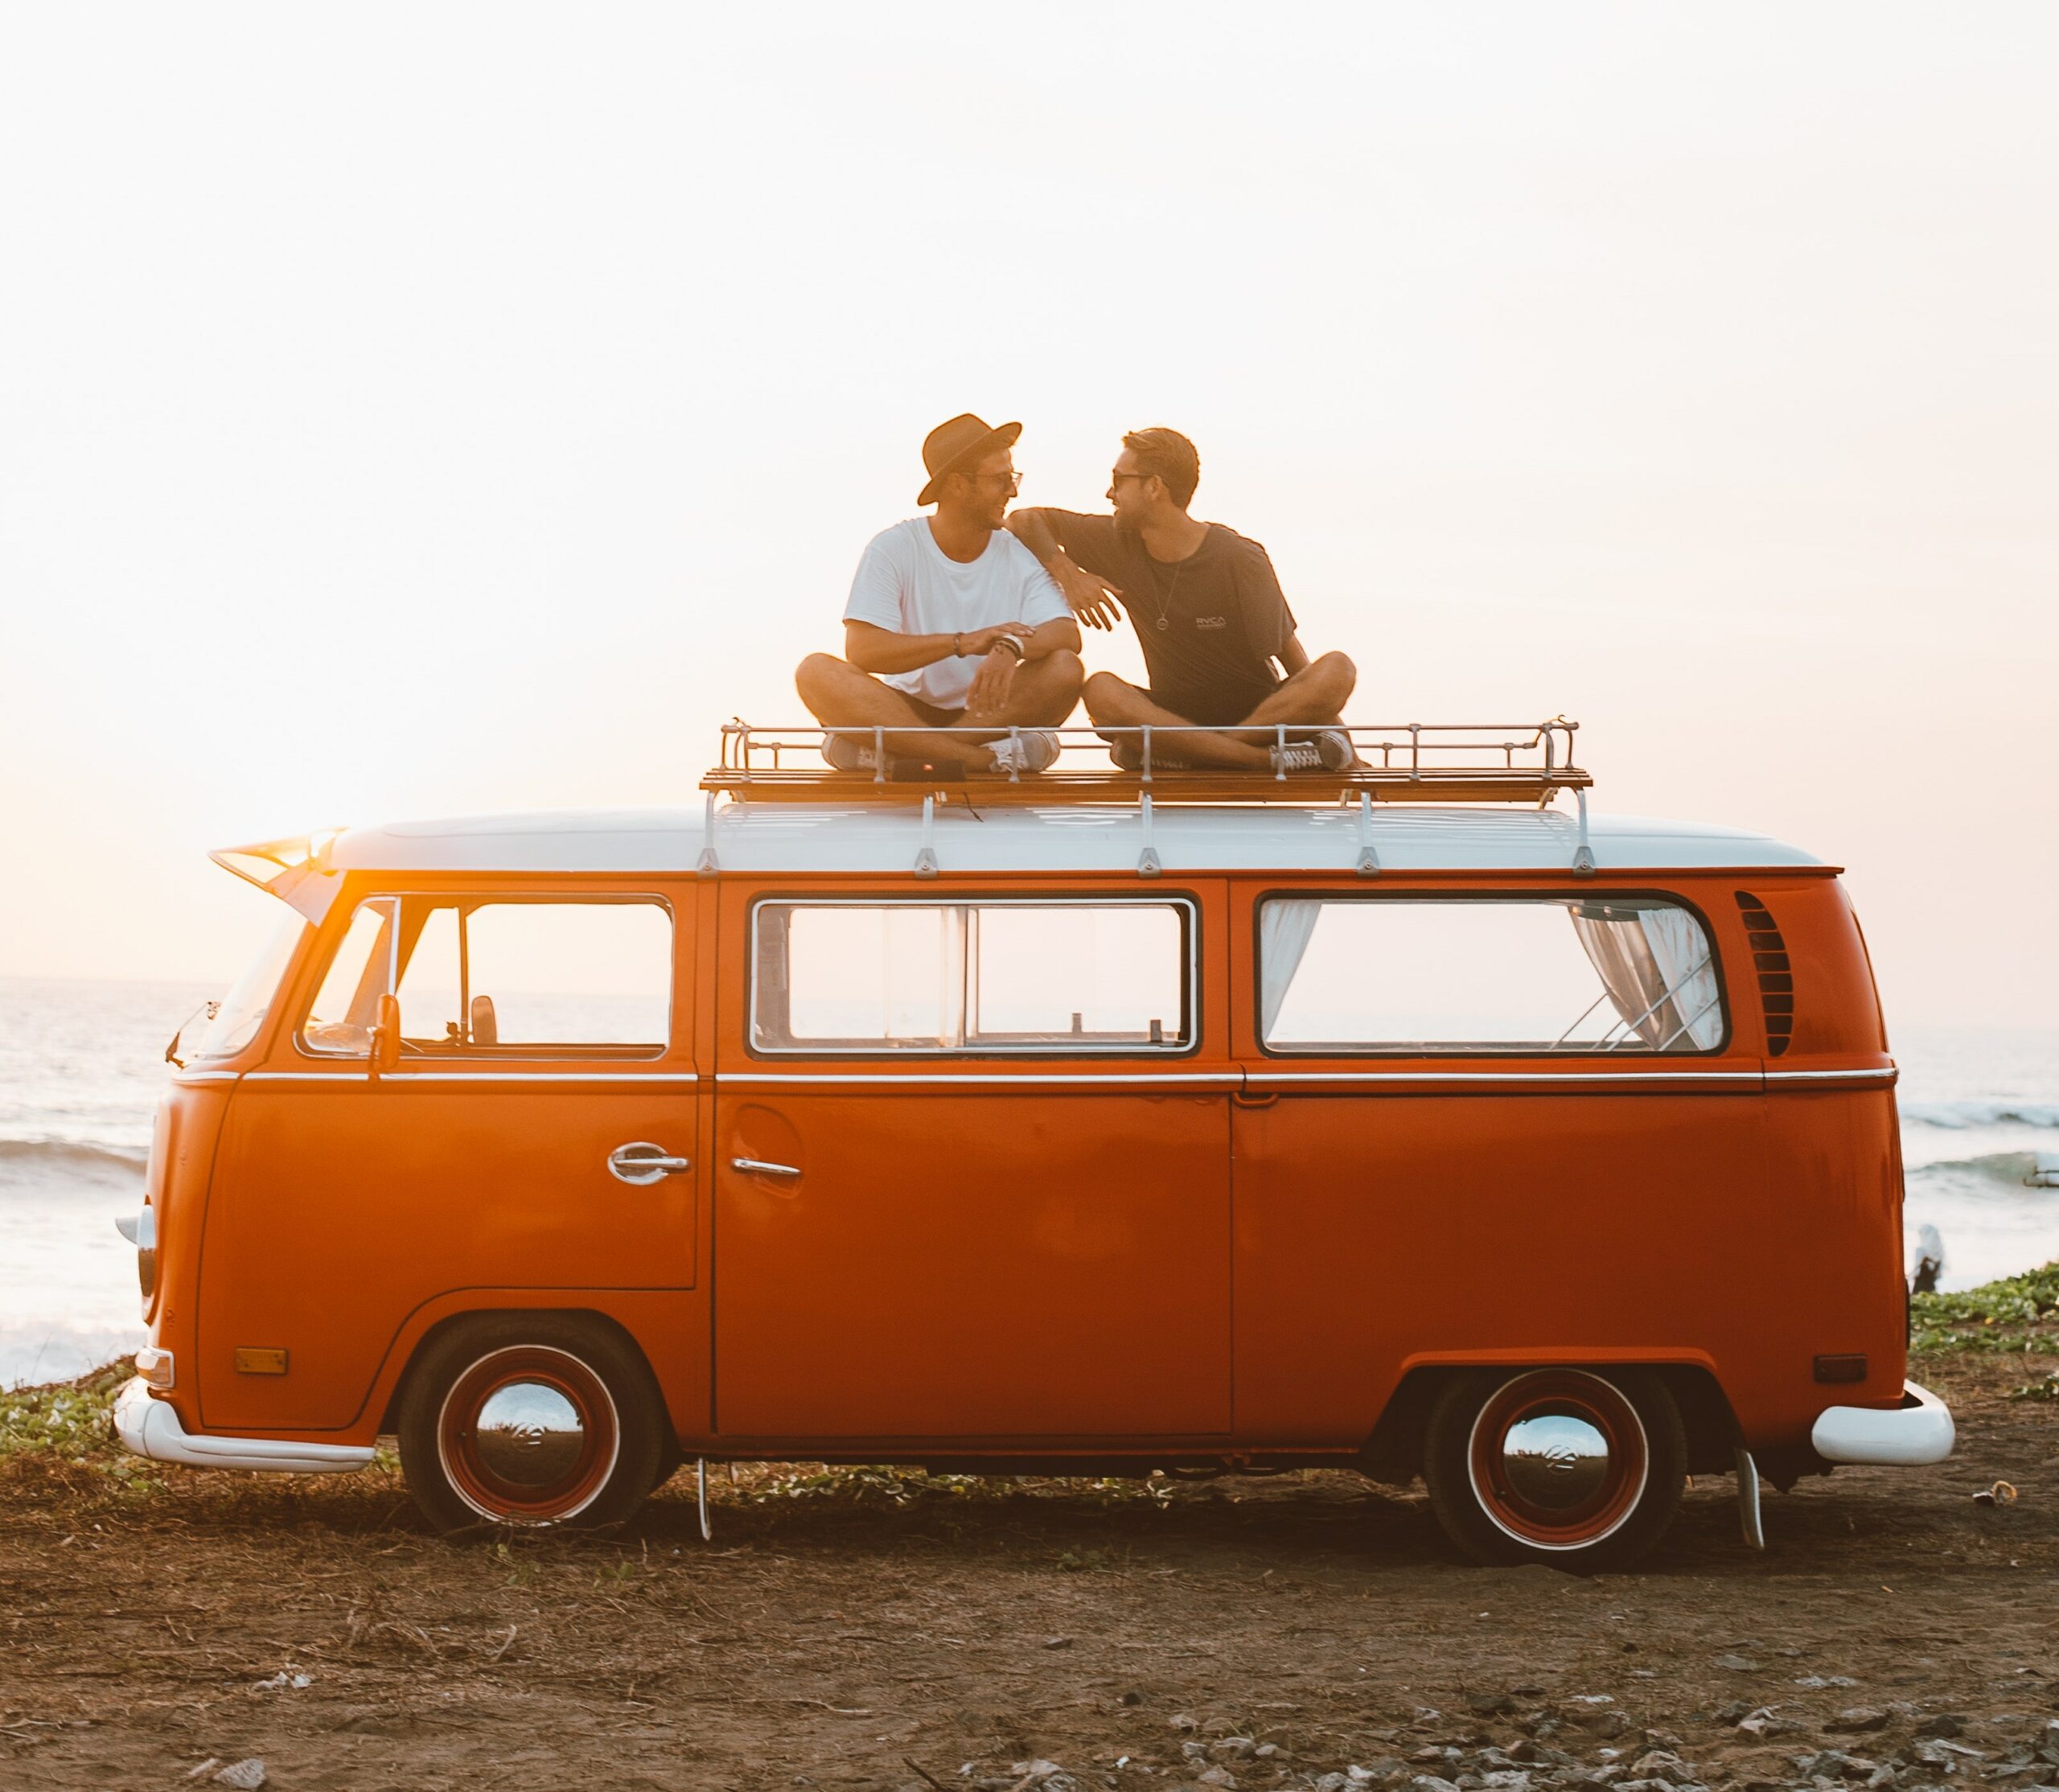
(1163,624)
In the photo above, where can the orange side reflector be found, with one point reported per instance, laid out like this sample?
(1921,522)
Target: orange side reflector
(253,1360)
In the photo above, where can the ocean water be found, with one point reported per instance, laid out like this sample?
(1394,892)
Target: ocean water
(82,1064)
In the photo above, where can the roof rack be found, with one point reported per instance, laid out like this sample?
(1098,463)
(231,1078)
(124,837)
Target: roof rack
(1525,762)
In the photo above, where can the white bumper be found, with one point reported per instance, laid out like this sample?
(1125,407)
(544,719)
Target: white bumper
(1918,1431)
(151,1428)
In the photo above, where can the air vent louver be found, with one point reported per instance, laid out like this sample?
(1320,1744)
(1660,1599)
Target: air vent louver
(1776,975)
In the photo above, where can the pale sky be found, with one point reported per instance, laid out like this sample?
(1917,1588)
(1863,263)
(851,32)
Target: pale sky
(408,411)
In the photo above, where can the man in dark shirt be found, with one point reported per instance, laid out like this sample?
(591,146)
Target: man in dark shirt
(1209,616)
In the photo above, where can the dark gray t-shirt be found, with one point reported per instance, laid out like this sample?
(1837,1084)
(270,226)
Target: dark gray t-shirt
(1209,625)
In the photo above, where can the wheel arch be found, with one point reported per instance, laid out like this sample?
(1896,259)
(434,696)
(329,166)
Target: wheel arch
(591,1318)
(1393,1453)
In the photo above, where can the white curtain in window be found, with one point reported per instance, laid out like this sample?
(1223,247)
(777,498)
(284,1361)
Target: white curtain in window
(1688,966)
(1617,948)
(1656,965)
(1284,929)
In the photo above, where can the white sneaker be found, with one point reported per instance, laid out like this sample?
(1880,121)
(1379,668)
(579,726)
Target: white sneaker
(848,753)
(1336,751)
(1329,751)
(1032,750)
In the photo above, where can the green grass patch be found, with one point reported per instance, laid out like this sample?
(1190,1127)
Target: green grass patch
(2017,1313)
(71,1420)
(61,1435)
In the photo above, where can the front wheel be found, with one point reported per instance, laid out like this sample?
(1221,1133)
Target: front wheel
(530,1418)
(1578,1469)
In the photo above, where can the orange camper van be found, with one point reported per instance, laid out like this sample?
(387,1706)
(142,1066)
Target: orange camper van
(1402,1119)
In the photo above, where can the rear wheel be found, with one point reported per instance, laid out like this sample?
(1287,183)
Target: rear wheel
(530,1418)
(1579,1468)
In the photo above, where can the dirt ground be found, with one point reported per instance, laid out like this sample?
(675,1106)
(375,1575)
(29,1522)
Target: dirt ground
(857,1630)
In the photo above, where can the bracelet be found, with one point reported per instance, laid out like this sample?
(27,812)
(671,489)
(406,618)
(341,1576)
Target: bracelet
(1011,642)
(958,646)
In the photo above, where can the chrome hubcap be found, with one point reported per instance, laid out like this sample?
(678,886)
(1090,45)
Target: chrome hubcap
(1554,1461)
(1558,1458)
(528,1435)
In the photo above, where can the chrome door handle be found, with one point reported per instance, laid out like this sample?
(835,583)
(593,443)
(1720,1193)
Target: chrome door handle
(644,1162)
(757,1166)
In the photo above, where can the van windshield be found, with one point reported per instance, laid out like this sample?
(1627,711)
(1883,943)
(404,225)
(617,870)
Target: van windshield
(242,1011)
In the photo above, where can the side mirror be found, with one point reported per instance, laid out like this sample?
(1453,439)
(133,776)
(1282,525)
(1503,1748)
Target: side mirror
(386,1036)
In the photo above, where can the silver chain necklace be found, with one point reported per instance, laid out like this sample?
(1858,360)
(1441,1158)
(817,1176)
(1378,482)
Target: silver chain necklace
(1166,603)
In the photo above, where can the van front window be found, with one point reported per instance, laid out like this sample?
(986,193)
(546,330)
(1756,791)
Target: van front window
(242,1011)
(346,1007)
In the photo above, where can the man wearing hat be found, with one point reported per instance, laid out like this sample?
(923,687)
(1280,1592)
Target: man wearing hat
(951,623)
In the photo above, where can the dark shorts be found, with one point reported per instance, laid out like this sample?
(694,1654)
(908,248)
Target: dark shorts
(1222,709)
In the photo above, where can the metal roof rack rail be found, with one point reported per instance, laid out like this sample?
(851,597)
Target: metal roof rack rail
(1526,762)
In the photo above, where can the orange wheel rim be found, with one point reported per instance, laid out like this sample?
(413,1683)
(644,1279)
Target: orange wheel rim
(528,1435)
(1558,1459)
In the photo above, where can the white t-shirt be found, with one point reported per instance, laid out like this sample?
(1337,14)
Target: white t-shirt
(906,583)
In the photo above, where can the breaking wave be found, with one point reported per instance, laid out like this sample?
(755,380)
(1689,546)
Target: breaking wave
(70,1154)
(1981,1111)
(2012,1169)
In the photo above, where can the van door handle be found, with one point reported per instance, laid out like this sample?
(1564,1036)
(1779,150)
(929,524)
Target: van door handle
(644,1162)
(757,1166)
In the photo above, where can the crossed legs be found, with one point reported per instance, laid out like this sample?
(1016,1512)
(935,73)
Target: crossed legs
(838,695)
(1314,696)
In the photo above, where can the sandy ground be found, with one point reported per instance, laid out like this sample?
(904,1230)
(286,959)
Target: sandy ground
(847,1635)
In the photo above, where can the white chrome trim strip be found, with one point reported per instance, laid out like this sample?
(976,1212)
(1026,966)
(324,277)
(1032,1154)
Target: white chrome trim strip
(151,1428)
(539,1076)
(1887,1075)
(205,1076)
(1904,1437)
(1554,1078)
(358,1075)
(1227,1080)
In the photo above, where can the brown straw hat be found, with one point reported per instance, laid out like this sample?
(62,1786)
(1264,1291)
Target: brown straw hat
(950,446)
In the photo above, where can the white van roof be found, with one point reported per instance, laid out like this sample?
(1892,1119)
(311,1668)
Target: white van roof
(796,838)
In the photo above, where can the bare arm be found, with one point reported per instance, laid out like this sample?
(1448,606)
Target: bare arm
(873,649)
(996,676)
(1292,656)
(1060,636)
(1090,597)
(1029,528)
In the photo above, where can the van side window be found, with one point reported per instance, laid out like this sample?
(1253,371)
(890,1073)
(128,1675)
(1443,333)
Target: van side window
(494,977)
(1630,975)
(972,977)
